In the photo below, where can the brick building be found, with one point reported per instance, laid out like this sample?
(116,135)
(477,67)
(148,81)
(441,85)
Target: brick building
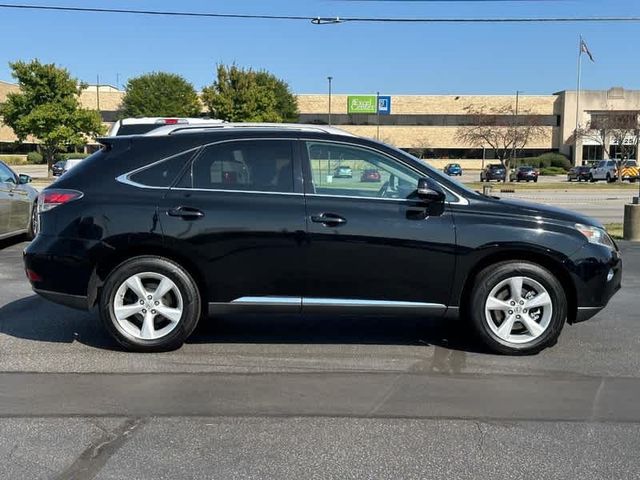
(426,122)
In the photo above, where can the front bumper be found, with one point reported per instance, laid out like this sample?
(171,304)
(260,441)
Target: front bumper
(597,274)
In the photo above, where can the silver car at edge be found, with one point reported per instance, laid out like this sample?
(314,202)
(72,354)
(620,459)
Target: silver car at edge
(18,212)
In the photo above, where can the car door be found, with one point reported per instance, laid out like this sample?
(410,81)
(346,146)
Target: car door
(20,204)
(373,244)
(238,212)
(14,198)
(5,201)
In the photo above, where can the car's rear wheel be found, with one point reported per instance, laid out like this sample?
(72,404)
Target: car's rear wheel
(150,304)
(34,222)
(518,307)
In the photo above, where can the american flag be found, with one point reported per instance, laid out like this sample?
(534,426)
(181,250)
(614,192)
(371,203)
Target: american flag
(585,49)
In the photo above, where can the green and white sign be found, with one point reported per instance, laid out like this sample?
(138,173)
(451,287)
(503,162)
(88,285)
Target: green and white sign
(362,104)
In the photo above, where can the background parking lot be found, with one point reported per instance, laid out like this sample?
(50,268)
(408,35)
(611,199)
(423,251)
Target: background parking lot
(312,397)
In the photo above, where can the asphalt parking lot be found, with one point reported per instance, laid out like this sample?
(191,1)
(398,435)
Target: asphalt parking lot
(314,397)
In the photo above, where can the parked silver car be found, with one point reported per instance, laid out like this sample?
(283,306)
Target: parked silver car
(18,213)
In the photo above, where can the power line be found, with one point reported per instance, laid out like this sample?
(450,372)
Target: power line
(327,20)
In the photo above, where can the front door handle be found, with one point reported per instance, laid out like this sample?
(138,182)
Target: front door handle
(329,219)
(188,213)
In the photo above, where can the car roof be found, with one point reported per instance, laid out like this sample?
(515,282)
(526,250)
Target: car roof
(186,129)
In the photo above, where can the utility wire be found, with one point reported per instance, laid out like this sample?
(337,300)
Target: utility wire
(328,20)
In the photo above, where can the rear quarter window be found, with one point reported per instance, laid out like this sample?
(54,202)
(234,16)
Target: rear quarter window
(163,173)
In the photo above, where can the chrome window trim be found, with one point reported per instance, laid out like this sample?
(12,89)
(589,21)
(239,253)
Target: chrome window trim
(223,190)
(124,178)
(461,200)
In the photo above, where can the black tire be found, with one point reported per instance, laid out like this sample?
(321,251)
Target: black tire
(535,181)
(185,284)
(32,228)
(492,276)
(591,179)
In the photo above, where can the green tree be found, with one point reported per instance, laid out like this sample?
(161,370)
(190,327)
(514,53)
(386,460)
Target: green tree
(240,95)
(160,94)
(48,108)
(286,102)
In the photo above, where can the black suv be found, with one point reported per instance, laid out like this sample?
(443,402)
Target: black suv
(159,230)
(493,172)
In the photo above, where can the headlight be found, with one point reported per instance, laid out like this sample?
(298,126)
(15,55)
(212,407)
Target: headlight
(596,235)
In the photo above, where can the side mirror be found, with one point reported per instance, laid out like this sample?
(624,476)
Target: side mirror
(22,179)
(430,191)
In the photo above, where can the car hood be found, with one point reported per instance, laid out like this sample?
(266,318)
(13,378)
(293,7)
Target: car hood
(524,208)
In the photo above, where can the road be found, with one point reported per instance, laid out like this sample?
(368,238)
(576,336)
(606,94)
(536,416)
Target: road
(314,397)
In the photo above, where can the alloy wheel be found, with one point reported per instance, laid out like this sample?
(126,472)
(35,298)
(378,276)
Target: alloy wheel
(518,309)
(148,306)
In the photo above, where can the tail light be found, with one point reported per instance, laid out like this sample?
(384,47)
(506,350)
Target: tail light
(50,199)
(171,121)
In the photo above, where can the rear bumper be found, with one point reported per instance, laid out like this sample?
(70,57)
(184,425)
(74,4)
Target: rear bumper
(74,301)
(65,267)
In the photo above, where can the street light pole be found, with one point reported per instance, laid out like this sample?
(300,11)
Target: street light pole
(514,151)
(378,116)
(329,78)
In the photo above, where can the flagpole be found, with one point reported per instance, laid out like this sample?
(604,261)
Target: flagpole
(575,149)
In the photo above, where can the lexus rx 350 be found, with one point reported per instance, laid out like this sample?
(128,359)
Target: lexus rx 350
(161,230)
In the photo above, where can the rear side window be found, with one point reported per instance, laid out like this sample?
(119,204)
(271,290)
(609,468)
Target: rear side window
(251,165)
(163,173)
(136,129)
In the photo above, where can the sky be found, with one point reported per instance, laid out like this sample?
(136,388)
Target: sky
(361,58)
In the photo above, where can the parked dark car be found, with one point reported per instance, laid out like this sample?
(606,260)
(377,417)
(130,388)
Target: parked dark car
(17,204)
(493,172)
(452,169)
(370,175)
(579,173)
(524,173)
(57,168)
(343,171)
(159,231)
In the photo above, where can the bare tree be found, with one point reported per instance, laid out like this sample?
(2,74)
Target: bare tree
(499,129)
(420,147)
(618,128)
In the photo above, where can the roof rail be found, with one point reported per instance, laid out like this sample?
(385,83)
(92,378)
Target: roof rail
(179,129)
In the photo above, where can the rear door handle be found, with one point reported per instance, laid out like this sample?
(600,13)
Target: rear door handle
(329,219)
(188,213)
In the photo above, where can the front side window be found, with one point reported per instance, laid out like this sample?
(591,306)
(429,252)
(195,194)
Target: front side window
(249,165)
(372,175)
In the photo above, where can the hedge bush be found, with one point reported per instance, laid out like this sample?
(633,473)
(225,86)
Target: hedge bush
(552,171)
(14,159)
(546,160)
(71,156)
(35,157)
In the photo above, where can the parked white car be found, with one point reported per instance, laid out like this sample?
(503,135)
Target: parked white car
(140,126)
(604,170)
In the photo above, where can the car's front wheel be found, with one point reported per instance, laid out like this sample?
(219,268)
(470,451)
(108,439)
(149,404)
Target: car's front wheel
(150,304)
(518,307)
